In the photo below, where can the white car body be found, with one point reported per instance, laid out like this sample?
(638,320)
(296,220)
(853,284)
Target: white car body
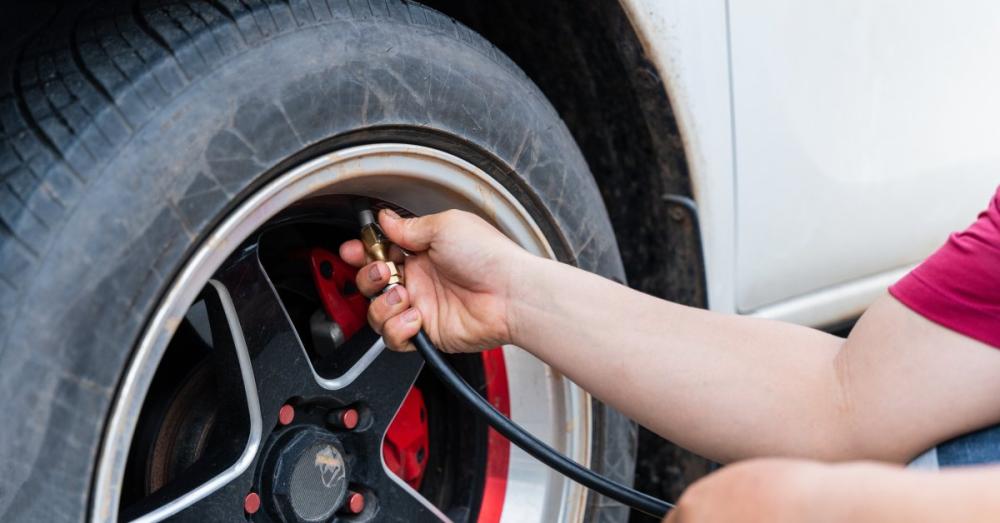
(831,145)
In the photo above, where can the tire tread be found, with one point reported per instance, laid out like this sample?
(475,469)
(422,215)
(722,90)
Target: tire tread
(82,84)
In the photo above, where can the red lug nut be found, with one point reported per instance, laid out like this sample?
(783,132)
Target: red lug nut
(251,503)
(286,414)
(355,503)
(346,419)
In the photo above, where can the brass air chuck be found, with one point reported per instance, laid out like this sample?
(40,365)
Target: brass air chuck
(377,245)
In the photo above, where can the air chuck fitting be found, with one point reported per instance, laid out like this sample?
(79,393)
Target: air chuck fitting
(377,245)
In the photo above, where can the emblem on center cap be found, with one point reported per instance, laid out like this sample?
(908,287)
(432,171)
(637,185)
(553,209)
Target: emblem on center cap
(306,476)
(330,465)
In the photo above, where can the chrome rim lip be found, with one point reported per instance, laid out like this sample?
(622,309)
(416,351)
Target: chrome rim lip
(434,180)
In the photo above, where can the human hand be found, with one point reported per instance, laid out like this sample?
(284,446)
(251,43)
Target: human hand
(459,281)
(785,490)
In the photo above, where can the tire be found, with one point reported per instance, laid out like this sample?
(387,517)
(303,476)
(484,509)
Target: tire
(131,133)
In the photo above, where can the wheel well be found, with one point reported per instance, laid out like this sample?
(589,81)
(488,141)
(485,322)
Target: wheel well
(589,62)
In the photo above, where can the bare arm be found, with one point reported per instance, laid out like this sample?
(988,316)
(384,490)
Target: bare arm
(725,386)
(733,387)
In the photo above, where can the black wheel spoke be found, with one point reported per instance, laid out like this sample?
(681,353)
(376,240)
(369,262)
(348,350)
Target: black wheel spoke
(218,480)
(384,383)
(396,502)
(225,504)
(198,495)
(281,368)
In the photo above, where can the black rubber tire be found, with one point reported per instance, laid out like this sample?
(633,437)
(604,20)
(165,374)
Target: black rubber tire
(129,130)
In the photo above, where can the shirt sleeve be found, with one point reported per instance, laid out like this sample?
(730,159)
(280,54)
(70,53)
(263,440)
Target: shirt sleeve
(959,285)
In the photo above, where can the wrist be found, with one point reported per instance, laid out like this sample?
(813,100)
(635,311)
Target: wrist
(528,289)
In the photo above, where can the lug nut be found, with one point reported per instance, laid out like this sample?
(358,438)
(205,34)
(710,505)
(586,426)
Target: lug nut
(286,414)
(346,419)
(355,503)
(251,503)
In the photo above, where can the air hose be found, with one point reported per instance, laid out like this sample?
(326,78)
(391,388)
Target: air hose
(377,247)
(530,444)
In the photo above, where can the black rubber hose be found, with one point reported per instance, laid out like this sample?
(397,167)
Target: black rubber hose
(530,444)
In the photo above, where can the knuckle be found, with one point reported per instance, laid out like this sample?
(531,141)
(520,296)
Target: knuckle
(364,286)
(452,216)
(464,216)
(394,338)
(375,319)
(381,307)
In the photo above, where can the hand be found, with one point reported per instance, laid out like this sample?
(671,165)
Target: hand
(785,490)
(459,281)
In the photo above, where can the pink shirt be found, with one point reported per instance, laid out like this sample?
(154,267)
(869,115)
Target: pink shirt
(959,285)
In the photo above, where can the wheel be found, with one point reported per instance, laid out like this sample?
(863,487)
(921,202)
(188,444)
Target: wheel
(179,339)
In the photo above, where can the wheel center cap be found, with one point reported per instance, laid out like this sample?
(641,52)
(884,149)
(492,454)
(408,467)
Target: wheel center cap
(318,482)
(310,477)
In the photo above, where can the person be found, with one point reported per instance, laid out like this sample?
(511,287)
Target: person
(817,427)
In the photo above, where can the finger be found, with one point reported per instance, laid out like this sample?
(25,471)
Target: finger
(389,304)
(396,254)
(413,234)
(399,329)
(353,252)
(372,278)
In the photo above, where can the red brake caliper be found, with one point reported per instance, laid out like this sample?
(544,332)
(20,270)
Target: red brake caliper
(334,278)
(405,446)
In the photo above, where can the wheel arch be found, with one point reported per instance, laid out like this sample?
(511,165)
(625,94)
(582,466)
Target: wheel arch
(589,61)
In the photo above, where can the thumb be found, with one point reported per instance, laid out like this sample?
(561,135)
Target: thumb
(412,234)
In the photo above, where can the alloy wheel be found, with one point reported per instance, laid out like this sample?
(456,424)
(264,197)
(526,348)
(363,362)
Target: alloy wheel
(280,404)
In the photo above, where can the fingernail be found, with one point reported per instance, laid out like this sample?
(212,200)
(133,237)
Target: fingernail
(411,315)
(374,274)
(393,297)
(389,213)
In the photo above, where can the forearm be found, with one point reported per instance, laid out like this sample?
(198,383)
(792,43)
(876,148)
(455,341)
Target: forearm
(728,387)
(724,386)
